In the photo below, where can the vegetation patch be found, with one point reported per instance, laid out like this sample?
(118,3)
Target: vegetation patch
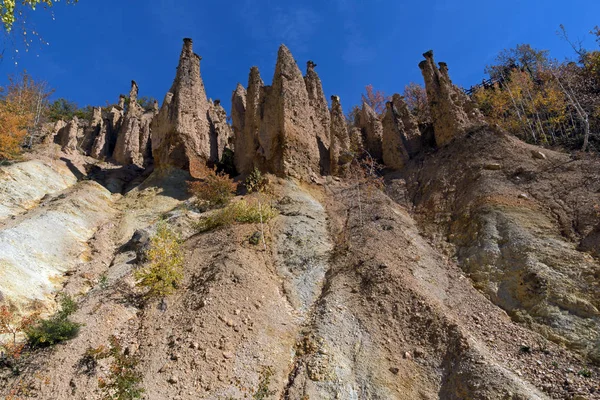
(56,329)
(164,271)
(214,191)
(246,211)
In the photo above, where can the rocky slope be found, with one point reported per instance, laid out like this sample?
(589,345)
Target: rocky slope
(467,269)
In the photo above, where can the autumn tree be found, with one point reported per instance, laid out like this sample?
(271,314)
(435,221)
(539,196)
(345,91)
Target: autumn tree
(523,57)
(376,99)
(541,100)
(11,9)
(11,325)
(23,106)
(416,99)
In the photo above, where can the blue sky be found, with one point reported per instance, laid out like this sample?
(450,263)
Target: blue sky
(97,46)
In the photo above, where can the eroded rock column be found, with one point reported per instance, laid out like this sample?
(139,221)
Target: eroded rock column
(340,140)
(181,130)
(453,113)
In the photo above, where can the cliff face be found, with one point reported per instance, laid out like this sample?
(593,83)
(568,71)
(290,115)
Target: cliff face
(469,271)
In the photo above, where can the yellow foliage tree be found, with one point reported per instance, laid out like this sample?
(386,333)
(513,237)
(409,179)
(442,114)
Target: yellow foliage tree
(23,102)
(536,110)
(10,8)
(164,271)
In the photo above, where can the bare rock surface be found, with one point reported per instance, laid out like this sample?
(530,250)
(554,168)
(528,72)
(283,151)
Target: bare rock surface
(339,139)
(411,126)
(238,113)
(516,232)
(372,131)
(394,139)
(246,142)
(221,134)
(322,121)
(287,136)
(453,113)
(181,130)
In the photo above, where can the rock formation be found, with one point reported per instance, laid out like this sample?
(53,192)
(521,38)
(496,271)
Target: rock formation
(105,141)
(395,143)
(127,148)
(67,136)
(221,135)
(246,142)
(181,130)
(91,130)
(411,126)
(453,113)
(287,136)
(339,139)
(322,122)
(238,112)
(372,131)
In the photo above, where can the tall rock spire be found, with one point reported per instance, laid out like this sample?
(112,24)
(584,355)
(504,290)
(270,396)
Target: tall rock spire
(127,148)
(372,131)
(411,126)
(318,102)
(339,139)
(246,143)
(287,136)
(221,136)
(394,147)
(453,113)
(238,112)
(181,130)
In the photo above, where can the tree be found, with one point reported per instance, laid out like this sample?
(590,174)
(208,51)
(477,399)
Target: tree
(376,99)
(523,57)
(165,269)
(13,129)
(12,8)
(416,99)
(63,109)
(11,324)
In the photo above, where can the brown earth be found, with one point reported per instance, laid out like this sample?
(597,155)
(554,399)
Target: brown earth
(448,284)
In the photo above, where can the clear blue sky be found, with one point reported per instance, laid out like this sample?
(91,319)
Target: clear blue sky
(97,46)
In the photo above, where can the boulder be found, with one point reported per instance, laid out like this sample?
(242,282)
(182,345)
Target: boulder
(91,132)
(67,136)
(106,139)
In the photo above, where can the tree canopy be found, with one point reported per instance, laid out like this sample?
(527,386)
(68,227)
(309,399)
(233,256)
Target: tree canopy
(10,10)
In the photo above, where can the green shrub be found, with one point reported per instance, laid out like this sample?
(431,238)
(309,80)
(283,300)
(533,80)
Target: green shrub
(56,329)
(164,271)
(214,191)
(123,381)
(256,181)
(243,211)
(263,392)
